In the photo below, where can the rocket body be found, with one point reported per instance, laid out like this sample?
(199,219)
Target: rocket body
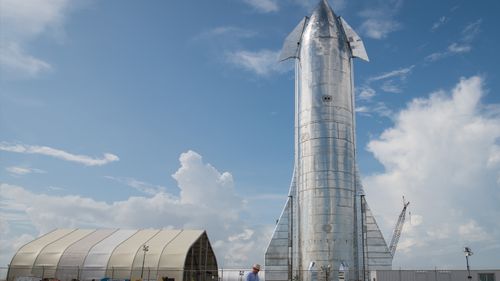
(319,228)
(325,167)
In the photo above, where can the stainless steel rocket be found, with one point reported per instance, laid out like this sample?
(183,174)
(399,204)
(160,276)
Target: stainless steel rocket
(319,231)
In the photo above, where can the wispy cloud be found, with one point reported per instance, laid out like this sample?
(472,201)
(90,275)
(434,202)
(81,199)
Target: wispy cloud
(263,62)
(377,108)
(464,45)
(365,93)
(441,21)
(379,20)
(59,154)
(265,6)
(458,48)
(20,171)
(223,31)
(20,64)
(21,22)
(379,28)
(470,32)
(141,186)
(362,109)
(392,80)
(55,188)
(390,86)
(401,73)
(444,19)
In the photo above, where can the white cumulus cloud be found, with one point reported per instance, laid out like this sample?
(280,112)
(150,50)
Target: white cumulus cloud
(438,155)
(207,201)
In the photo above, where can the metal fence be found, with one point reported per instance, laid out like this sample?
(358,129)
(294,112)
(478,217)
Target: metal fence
(436,275)
(172,274)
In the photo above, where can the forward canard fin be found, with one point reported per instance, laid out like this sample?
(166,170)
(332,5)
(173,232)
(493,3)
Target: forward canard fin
(291,47)
(355,43)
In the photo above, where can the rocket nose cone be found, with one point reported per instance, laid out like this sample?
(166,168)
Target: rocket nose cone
(323,10)
(324,19)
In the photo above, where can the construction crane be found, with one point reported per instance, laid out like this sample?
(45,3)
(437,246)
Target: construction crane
(399,228)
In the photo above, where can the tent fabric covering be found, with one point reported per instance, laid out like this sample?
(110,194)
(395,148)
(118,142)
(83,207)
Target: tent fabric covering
(94,254)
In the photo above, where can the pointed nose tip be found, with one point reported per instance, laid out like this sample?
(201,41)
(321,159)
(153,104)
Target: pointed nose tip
(324,19)
(324,5)
(323,11)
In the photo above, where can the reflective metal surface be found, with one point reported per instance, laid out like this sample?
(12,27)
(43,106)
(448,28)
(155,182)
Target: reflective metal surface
(325,168)
(319,230)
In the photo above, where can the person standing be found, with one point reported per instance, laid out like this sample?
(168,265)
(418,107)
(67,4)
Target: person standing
(254,275)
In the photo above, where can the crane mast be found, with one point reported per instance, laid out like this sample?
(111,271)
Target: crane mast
(398,229)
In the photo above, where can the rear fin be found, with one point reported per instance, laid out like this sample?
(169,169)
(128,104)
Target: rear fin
(291,46)
(278,257)
(376,252)
(355,43)
(378,256)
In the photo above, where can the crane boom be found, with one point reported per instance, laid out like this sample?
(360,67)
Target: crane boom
(398,229)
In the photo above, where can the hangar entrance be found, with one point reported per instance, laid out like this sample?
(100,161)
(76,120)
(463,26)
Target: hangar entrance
(201,264)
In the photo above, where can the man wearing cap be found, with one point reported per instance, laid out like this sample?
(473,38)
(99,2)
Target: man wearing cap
(254,275)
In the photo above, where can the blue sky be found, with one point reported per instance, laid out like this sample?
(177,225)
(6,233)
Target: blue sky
(176,114)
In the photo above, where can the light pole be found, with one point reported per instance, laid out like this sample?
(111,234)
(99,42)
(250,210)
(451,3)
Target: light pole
(145,248)
(468,252)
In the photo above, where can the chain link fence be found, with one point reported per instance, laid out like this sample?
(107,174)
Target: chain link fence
(173,274)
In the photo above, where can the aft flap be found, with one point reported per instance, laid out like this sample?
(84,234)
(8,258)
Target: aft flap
(378,255)
(277,256)
(291,46)
(357,47)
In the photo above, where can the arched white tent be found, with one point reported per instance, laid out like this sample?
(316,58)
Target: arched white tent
(89,254)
